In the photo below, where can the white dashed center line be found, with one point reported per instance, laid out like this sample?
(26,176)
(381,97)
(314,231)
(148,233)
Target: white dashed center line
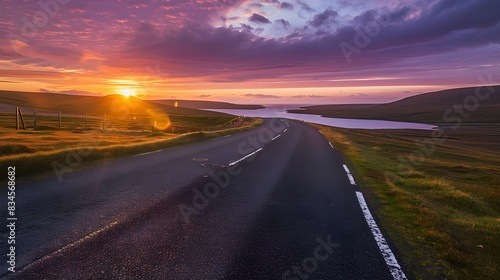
(245,157)
(147,153)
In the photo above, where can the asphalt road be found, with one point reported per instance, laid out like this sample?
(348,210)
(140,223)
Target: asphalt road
(271,203)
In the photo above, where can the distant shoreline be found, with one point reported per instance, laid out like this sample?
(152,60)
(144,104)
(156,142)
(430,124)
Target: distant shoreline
(449,107)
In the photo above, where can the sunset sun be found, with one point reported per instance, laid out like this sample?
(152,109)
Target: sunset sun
(127,92)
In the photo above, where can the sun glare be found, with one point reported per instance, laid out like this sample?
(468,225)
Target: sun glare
(127,92)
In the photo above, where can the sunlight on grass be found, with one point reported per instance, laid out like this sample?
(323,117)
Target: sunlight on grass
(34,152)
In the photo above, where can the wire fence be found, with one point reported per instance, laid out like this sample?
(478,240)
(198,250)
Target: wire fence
(58,120)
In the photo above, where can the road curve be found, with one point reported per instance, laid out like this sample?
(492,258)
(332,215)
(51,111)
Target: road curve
(275,202)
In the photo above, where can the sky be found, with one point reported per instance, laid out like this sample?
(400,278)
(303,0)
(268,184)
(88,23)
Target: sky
(249,51)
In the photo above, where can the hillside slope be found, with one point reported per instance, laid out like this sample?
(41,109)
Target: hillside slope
(195,104)
(110,104)
(433,107)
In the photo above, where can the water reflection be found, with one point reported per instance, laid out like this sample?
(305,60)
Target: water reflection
(280,111)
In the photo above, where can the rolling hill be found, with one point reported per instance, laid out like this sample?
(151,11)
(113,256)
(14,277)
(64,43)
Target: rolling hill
(195,104)
(432,107)
(110,104)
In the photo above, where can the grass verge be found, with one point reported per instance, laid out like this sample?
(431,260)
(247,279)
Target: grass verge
(91,149)
(443,213)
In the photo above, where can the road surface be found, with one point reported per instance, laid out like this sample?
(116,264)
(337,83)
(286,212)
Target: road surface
(276,202)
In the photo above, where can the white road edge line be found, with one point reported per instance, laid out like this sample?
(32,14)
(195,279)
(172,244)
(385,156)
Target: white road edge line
(148,153)
(285,130)
(390,259)
(346,169)
(349,175)
(330,144)
(245,157)
(351,179)
(276,137)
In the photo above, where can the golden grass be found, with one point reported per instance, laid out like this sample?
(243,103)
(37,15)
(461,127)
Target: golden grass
(33,152)
(39,141)
(443,214)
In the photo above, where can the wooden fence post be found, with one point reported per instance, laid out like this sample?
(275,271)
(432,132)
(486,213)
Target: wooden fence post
(17,118)
(59,119)
(85,121)
(22,119)
(104,125)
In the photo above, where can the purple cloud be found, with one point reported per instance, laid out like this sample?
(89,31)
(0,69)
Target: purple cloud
(251,95)
(193,39)
(286,6)
(305,7)
(308,96)
(327,17)
(284,23)
(256,18)
(229,54)
(71,91)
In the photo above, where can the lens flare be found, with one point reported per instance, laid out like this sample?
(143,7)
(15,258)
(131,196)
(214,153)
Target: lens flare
(127,92)
(159,120)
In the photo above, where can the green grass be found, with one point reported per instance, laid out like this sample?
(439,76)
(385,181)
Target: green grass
(444,213)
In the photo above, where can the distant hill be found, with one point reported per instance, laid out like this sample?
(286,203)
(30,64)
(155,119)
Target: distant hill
(110,104)
(427,108)
(195,104)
